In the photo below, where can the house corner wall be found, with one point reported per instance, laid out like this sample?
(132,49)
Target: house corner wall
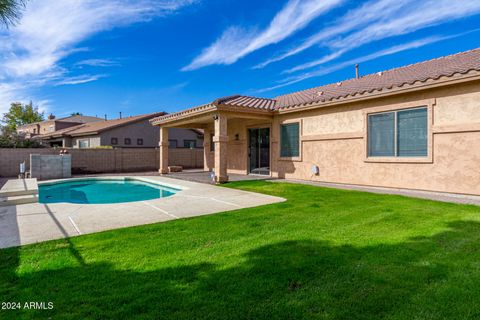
(334,139)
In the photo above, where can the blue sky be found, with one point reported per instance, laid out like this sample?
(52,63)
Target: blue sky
(102,57)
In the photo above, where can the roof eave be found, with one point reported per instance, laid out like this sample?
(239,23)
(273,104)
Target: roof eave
(182,115)
(417,86)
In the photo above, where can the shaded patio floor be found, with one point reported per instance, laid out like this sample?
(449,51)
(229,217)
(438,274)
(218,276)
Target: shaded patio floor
(198,175)
(194,175)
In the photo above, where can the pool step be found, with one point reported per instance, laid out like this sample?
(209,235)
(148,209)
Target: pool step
(19,187)
(15,200)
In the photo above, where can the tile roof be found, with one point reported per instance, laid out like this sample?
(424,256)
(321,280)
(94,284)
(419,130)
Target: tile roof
(69,119)
(99,126)
(448,66)
(80,119)
(460,64)
(247,101)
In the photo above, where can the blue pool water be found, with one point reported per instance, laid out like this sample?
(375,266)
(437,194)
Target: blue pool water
(96,191)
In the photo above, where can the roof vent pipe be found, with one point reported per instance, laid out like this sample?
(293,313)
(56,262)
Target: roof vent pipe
(356,72)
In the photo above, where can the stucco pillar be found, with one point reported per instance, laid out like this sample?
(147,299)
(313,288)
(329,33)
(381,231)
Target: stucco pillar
(220,139)
(206,149)
(275,145)
(163,168)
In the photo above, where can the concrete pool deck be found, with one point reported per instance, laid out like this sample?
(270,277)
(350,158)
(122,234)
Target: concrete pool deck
(36,222)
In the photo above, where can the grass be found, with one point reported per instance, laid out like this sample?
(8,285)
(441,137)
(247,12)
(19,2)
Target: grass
(324,253)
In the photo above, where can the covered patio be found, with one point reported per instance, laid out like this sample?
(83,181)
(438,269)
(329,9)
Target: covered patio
(242,125)
(201,176)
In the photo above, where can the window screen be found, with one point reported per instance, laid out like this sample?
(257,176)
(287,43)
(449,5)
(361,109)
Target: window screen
(381,135)
(412,133)
(290,140)
(83,144)
(402,133)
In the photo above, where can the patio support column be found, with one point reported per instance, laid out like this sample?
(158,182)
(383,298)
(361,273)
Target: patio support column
(220,139)
(207,166)
(163,168)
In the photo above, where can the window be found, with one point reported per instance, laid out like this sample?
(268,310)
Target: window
(189,144)
(172,144)
(127,141)
(51,128)
(113,141)
(83,143)
(139,142)
(212,144)
(401,133)
(290,140)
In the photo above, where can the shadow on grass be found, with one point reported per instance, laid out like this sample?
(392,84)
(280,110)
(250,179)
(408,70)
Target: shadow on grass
(429,277)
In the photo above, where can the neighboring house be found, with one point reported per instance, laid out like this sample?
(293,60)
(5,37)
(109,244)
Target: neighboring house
(129,132)
(52,124)
(415,127)
(185,138)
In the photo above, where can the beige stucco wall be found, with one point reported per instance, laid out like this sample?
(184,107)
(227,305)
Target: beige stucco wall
(237,149)
(333,139)
(46,126)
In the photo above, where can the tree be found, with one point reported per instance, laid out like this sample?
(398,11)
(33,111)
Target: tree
(20,114)
(76,114)
(10,11)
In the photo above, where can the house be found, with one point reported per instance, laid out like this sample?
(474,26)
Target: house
(128,132)
(414,127)
(52,124)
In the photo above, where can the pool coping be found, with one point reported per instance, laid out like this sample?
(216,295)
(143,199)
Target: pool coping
(120,178)
(37,222)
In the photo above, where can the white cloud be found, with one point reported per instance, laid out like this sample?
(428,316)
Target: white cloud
(237,42)
(326,70)
(7,96)
(50,30)
(98,63)
(366,13)
(79,79)
(378,20)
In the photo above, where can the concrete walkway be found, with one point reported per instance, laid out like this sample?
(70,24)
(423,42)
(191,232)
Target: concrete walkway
(30,223)
(437,196)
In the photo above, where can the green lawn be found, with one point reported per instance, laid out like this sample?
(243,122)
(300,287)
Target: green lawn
(324,253)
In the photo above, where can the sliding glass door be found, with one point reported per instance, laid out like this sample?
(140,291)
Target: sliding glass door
(259,151)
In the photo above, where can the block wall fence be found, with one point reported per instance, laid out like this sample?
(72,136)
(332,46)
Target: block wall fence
(103,160)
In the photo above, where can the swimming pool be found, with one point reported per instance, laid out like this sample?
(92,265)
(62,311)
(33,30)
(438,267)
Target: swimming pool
(101,191)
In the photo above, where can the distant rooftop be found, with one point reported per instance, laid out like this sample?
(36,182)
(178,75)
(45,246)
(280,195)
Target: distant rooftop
(99,126)
(80,119)
(70,119)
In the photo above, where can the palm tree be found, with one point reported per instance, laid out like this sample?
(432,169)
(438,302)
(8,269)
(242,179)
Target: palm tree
(10,11)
